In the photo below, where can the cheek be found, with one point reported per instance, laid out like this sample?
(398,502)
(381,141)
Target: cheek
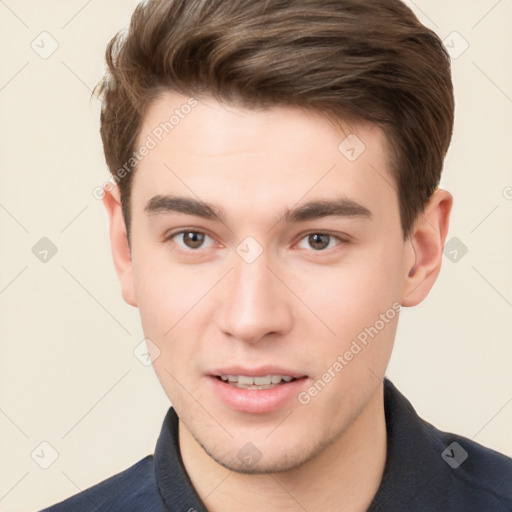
(350,296)
(168,310)
(166,292)
(174,307)
(359,302)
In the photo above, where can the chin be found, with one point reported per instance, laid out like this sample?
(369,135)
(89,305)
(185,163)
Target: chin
(277,464)
(260,458)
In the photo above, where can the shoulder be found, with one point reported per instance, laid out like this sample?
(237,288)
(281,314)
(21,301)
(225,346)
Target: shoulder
(429,469)
(482,475)
(130,490)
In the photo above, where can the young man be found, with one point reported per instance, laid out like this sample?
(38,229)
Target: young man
(276,203)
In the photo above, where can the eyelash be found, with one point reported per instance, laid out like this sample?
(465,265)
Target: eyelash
(340,240)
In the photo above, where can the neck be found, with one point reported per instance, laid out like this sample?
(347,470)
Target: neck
(344,477)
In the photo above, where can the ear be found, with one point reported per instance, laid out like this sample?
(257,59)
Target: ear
(119,244)
(426,243)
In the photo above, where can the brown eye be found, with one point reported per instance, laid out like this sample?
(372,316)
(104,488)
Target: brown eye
(318,241)
(189,239)
(193,239)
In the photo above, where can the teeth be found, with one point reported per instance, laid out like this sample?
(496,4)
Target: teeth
(262,380)
(242,379)
(265,382)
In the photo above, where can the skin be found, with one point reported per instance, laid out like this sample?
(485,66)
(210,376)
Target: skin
(297,305)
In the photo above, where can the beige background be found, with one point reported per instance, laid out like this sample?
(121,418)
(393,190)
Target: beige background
(68,375)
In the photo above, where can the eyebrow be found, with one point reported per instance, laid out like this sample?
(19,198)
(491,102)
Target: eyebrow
(340,207)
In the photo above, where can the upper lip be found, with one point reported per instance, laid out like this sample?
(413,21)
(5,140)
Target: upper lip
(260,371)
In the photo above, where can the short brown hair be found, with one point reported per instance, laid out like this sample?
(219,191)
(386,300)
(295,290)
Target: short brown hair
(366,59)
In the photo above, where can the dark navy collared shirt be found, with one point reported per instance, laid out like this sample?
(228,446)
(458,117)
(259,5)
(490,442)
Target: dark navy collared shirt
(426,471)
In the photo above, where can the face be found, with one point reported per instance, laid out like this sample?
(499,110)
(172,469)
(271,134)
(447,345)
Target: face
(268,266)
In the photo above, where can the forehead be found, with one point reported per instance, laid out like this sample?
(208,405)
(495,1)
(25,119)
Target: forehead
(242,158)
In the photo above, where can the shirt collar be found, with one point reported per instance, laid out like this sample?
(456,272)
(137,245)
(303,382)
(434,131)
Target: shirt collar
(413,461)
(174,485)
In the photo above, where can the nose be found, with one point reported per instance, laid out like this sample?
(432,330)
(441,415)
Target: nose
(255,303)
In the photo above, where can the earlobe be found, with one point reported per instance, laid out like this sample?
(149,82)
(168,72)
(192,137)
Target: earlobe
(426,244)
(121,253)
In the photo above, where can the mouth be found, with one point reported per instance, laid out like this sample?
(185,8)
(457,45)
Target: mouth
(256,383)
(257,391)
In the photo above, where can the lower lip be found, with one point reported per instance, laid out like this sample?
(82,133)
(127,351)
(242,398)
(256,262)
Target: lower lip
(257,401)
